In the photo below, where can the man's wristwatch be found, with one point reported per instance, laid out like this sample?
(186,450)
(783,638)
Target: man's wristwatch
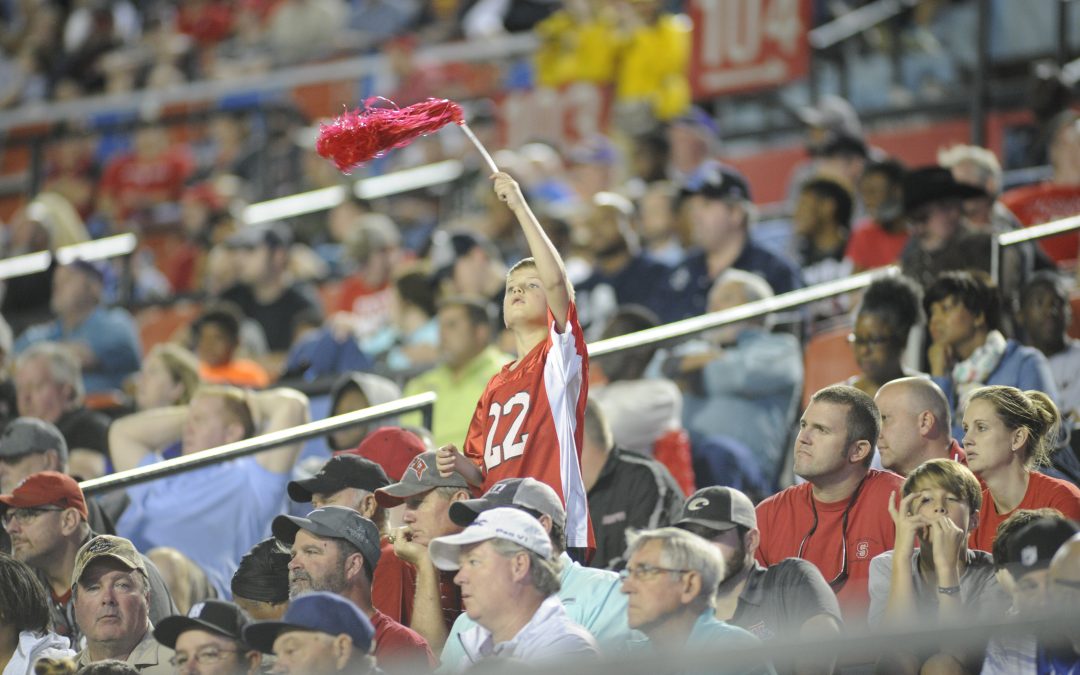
(948,590)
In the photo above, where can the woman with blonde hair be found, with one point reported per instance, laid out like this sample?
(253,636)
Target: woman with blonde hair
(169,376)
(1008,434)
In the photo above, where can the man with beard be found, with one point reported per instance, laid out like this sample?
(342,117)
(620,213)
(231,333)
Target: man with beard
(336,549)
(789,600)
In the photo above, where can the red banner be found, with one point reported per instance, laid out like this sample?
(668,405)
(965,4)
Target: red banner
(556,116)
(742,45)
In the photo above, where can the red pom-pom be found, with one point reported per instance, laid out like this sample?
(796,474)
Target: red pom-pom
(362,135)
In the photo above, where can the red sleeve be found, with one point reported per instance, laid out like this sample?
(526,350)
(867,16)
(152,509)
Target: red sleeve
(474,440)
(1066,498)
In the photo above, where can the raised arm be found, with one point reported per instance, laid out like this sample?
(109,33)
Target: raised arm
(133,437)
(549,264)
(275,410)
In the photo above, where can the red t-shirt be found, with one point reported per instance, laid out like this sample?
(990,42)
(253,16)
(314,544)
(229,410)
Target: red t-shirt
(393,590)
(530,419)
(1042,491)
(372,306)
(135,182)
(1037,204)
(785,519)
(870,246)
(399,648)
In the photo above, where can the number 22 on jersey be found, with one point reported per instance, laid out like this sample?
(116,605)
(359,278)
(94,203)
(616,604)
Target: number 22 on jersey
(510,442)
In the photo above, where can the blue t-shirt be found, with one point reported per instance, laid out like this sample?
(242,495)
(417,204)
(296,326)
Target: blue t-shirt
(213,515)
(112,338)
(1063,663)
(708,633)
(592,599)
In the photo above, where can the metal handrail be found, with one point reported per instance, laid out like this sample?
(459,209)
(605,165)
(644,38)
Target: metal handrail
(96,249)
(750,310)
(423,402)
(856,21)
(1054,227)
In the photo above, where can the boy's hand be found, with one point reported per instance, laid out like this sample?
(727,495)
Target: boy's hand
(947,540)
(908,524)
(446,459)
(508,191)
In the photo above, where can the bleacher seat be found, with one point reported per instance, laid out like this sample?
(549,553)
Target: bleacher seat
(160,324)
(827,359)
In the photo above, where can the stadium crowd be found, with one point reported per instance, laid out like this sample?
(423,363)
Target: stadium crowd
(559,508)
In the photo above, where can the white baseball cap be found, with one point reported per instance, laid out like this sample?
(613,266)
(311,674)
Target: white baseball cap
(510,524)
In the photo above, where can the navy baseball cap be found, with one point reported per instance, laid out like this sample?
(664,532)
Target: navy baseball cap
(315,612)
(716,180)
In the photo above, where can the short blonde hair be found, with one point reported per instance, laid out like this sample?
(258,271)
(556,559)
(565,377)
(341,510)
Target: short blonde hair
(182,365)
(234,402)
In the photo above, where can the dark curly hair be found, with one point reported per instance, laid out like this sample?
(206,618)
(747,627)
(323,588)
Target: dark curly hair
(897,301)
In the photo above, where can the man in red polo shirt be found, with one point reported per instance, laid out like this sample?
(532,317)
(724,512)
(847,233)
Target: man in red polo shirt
(839,519)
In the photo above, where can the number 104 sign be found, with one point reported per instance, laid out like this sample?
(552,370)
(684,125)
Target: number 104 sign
(742,45)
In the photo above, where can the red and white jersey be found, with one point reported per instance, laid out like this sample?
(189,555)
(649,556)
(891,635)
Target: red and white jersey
(530,419)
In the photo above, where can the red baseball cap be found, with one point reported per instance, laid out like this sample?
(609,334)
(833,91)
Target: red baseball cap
(392,448)
(47,488)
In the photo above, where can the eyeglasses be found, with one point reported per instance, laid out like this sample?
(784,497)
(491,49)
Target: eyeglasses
(24,516)
(840,579)
(880,341)
(207,656)
(642,572)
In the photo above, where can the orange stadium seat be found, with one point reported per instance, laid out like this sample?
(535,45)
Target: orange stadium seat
(827,359)
(1074,326)
(160,324)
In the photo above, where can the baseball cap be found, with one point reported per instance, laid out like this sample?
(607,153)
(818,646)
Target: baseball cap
(24,435)
(506,523)
(343,471)
(697,118)
(1033,546)
(46,488)
(716,180)
(834,114)
(595,150)
(420,475)
(528,493)
(106,546)
(337,522)
(91,268)
(319,612)
(718,508)
(214,616)
(273,235)
(392,448)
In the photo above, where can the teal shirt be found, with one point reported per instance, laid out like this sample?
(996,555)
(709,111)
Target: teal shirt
(592,599)
(710,633)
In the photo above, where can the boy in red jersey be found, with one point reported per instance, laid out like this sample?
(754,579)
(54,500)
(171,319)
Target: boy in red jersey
(529,420)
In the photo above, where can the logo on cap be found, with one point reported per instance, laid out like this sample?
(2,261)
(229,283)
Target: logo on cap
(697,504)
(196,610)
(100,546)
(1029,555)
(496,488)
(418,466)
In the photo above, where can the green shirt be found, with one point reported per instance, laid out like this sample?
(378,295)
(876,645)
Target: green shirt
(457,395)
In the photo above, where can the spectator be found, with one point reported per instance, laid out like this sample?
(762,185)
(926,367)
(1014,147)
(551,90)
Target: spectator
(25,632)
(426,497)
(264,291)
(210,637)
(336,549)
(152,173)
(509,581)
(169,376)
(9,404)
(842,502)
(593,164)
(320,633)
(1058,197)
(217,336)
(941,239)
(888,312)
(979,167)
(843,158)
(110,592)
(788,600)
(1044,316)
(741,390)
(822,222)
(967,348)
(721,213)
(1008,434)
(356,391)
(916,425)
(302,30)
(1064,581)
(260,585)
(626,491)
(184,511)
(468,360)
(466,264)
(49,386)
(374,245)
(641,411)
(408,344)
(671,578)
(104,340)
(621,274)
(940,506)
(187,582)
(694,139)
(46,517)
(880,239)
(591,596)
(656,224)
(1028,555)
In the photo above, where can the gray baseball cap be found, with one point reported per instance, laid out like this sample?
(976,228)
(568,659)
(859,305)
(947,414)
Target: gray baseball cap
(718,508)
(527,493)
(336,522)
(421,475)
(24,435)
